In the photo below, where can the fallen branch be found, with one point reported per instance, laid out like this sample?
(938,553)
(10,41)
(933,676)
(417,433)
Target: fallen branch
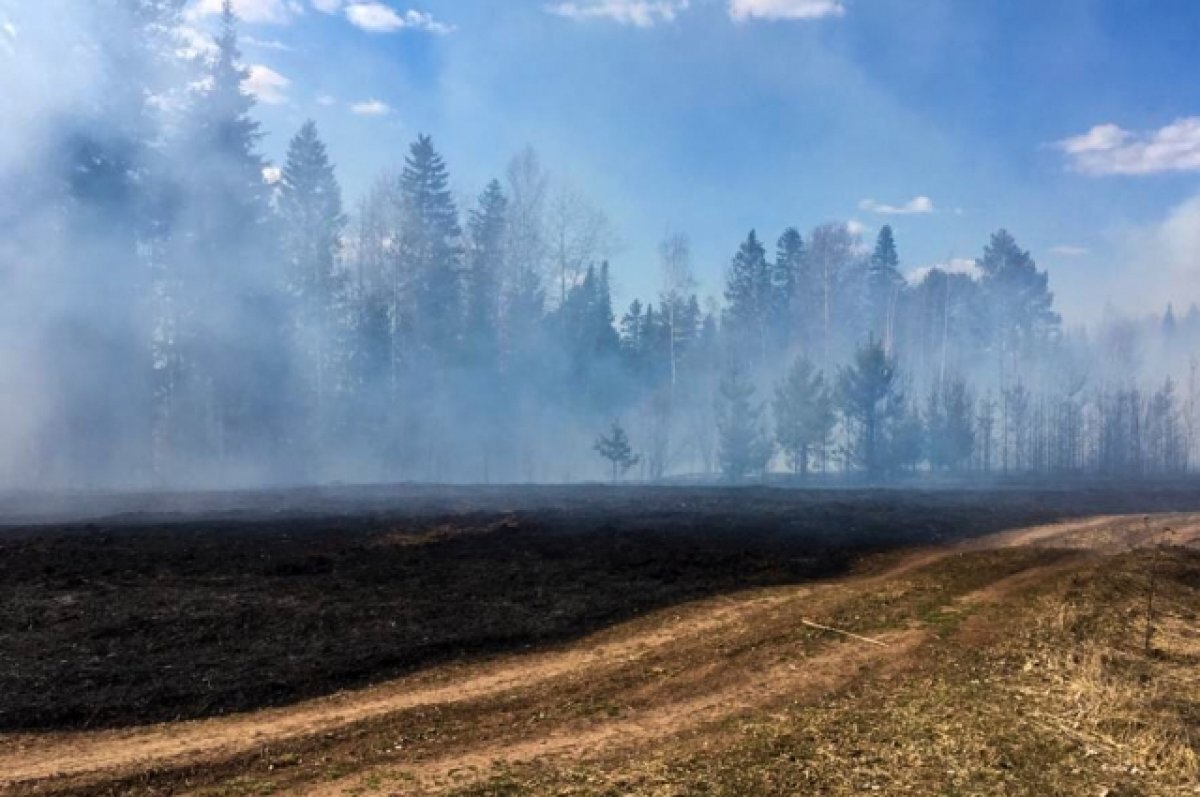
(844,633)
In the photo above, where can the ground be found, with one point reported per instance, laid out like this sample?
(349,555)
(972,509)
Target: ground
(593,641)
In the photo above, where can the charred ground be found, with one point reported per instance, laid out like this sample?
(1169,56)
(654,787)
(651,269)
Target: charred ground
(203,605)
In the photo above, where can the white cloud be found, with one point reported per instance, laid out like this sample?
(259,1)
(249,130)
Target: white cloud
(267,85)
(375,17)
(326,100)
(916,206)
(639,13)
(327,6)
(957,265)
(264,44)
(273,12)
(272,174)
(1108,149)
(856,227)
(741,10)
(1068,250)
(195,42)
(9,37)
(371,108)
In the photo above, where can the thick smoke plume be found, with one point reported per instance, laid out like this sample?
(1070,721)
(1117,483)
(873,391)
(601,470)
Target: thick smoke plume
(172,317)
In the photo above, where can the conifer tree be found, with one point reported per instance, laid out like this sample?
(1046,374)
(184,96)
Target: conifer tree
(804,414)
(1017,297)
(744,447)
(883,285)
(312,219)
(485,264)
(870,404)
(232,325)
(615,448)
(431,250)
(97,177)
(748,296)
(311,225)
(949,424)
(786,273)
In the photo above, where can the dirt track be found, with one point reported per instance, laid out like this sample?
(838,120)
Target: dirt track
(628,666)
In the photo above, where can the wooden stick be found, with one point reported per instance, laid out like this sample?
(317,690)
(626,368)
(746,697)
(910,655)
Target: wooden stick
(844,633)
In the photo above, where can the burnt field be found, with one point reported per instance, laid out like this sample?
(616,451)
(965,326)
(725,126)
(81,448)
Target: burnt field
(124,610)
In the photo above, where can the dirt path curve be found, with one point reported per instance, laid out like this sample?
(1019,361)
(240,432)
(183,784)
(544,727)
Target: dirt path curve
(829,670)
(807,679)
(97,757)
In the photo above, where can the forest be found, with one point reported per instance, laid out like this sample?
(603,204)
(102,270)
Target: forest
(180,312)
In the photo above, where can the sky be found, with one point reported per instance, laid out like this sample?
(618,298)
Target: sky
(1075,124)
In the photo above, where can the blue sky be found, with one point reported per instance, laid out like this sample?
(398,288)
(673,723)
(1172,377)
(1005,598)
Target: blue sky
(1074,123)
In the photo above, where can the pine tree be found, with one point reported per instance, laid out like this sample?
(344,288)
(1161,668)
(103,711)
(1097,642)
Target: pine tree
(1017,296)
(231,320)
(804,416)
(632,340)
(786,273)
(590,341)
(310,209)
(615,448)
(312,224)
(748,297)
(431,249)
(949,425)
(883,284)
(744,447)
(869,402)
(485,263)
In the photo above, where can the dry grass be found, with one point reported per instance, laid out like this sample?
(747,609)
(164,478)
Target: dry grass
(1141,710)
(1045,693)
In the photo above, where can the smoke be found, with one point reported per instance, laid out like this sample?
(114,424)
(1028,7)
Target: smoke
(1163,262)
(175,310)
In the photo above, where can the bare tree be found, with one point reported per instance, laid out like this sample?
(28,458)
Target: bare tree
(675,255)
(526,228)
(579,234)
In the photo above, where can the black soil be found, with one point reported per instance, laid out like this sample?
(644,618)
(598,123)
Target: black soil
(232,602)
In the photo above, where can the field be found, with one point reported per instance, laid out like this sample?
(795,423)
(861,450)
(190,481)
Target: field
(596,641)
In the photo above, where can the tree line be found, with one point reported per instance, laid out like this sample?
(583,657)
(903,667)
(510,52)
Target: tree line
(196,322)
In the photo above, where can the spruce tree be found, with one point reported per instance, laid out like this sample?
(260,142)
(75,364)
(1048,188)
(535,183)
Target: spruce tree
(786,273)
(804,414)
(311,227)
(485,263)
(224,251)
(883,284)
(632,340)
(312,219)
(744,447)
(748,297)
(870,403)
(430,250)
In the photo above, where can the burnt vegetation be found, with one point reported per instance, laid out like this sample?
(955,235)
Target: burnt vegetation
(152,618)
